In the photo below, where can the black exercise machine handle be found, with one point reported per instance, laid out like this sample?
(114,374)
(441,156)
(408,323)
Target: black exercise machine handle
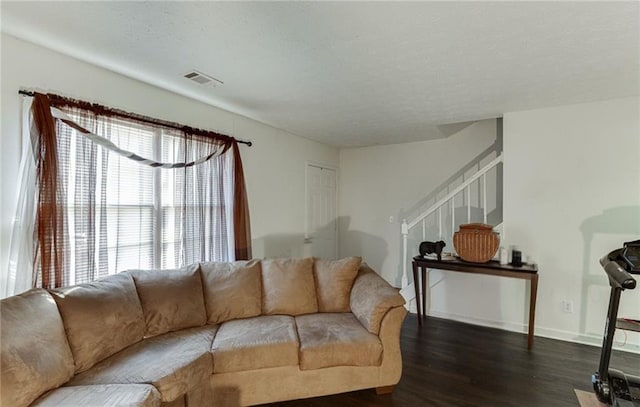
(618,276)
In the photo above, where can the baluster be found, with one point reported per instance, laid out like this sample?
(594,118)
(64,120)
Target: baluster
(453,216)
(440,223)
(424,229)
(468,203)
(484,198)
(405,274)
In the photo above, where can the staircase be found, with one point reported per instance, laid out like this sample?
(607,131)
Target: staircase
(467,202)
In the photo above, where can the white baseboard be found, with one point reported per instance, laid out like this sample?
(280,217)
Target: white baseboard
(551,333)
(408,292)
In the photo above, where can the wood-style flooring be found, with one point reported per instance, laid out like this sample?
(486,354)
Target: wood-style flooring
(448,363)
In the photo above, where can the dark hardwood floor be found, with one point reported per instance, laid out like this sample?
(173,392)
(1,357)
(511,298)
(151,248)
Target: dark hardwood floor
(447,363)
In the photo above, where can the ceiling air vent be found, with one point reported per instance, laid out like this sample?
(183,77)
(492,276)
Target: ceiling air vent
(202,78)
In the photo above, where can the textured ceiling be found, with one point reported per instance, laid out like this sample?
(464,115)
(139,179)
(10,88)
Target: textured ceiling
(354,74)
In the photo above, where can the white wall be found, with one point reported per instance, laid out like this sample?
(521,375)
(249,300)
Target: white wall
(274,166)
(383,181)
(567,170)
(571,195)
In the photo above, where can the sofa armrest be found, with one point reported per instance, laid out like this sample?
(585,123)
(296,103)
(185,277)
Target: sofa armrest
(372,297)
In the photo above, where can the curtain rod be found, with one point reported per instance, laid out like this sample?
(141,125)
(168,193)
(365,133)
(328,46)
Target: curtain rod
(32,94)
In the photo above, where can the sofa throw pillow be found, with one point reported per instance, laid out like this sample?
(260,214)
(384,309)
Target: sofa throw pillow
(101,318)
(232,290)
(171,299)
(288,287)
(334,279)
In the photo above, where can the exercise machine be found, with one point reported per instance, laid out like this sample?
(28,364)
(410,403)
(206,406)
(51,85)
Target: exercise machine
(613,386)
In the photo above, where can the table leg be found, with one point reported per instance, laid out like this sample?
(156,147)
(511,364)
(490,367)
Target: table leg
(532,309)
(424,292)
(416,284)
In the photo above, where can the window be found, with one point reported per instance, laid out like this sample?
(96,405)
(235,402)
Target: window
(121,214)
(103,190)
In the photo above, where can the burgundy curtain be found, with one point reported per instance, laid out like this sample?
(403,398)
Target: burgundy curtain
(51,244)
(50,222)
(241,230)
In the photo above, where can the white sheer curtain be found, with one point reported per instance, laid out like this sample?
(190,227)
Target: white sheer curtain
(17,275)
(122,215)
(110,204)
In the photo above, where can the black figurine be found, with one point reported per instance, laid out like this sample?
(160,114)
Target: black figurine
(432,247)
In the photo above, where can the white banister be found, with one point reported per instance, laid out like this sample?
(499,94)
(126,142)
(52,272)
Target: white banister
(455,191)
(448,199)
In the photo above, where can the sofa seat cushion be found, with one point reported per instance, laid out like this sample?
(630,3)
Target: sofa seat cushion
(328,340)
(35,354)
(255,343)
(100,318)
(104,395)
(172,362)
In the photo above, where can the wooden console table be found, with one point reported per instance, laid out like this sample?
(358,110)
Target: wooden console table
(493,268)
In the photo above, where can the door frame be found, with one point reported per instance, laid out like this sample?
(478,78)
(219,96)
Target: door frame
(317,164)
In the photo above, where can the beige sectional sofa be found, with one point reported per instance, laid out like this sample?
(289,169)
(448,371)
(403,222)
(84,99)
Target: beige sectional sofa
(210,334)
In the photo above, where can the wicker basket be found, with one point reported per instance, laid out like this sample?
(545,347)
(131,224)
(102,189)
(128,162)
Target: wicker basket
(476,242)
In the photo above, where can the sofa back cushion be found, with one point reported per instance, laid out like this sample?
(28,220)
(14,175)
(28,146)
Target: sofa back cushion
(334,279)
(100,318)
(35,354)
(288,287)
(232,290)
(171,299)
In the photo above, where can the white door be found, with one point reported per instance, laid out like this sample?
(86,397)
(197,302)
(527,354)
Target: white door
(321,215)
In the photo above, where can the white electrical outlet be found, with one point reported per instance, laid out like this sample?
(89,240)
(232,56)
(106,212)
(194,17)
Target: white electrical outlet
(567,306)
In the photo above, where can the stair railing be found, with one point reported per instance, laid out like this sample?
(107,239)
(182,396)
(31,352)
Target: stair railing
(437,206)
(460,176)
